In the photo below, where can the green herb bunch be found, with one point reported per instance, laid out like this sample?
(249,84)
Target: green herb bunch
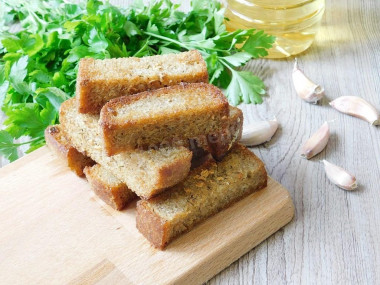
(38,63)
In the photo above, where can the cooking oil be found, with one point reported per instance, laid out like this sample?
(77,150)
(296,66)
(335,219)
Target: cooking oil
(293,22)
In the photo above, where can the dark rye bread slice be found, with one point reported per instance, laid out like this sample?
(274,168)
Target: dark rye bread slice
(206,191)
(99,81)
(108,188)
(150,118)
(146,173)
(58,143)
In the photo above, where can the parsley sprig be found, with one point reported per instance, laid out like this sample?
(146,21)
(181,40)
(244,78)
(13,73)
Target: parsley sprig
(39,62)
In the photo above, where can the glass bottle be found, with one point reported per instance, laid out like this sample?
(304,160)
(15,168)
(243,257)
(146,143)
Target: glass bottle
(293,22)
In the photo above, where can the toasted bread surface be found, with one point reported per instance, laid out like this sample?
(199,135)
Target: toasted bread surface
(109,188)
(58,143)
(149,118)
(207,190)
(146,173)
(99,81)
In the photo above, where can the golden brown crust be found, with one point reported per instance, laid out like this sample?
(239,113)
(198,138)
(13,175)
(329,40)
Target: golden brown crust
(54,140)
(152,227)
(58,143)
(93,92)
(172,172)
(116,195)
(120,134)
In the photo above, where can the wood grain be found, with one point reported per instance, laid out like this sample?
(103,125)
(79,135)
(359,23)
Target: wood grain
(55,229)
(335,236)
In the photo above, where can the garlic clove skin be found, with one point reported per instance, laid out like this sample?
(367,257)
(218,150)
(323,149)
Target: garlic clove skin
(317,142)
(340,177)
(305,88)
(357,107)
(258,132)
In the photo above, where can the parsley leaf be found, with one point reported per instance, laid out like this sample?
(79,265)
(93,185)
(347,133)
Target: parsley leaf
(238,59)
(11,44)
(7,147)
(27,119)
(18,70)
(258,43)
(54,95)
(246,88)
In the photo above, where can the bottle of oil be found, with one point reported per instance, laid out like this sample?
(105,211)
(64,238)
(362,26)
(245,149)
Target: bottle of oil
(293,22)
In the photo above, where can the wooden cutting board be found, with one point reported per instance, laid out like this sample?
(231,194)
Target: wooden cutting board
(53,230)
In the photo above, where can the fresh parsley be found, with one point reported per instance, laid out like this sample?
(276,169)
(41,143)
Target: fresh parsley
(38,63)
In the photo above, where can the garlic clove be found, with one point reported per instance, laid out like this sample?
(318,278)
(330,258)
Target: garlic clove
(258,132)
(339,176)
(357,107)
(317,142)
(305,88)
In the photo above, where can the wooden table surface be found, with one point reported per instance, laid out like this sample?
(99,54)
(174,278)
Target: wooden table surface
(335,236)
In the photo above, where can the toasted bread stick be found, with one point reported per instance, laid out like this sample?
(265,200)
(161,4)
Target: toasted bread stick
(149,118)
(99,81)
(206,191)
